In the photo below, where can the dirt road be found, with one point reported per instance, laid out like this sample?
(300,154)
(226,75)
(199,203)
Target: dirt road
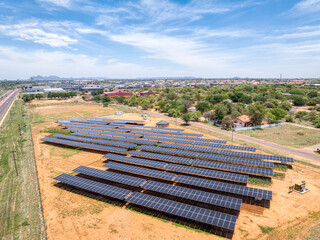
(289,151)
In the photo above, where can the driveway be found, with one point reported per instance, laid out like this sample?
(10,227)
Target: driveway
(288,151)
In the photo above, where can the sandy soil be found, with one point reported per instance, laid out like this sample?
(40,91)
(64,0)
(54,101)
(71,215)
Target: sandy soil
(72,216)
(50,101)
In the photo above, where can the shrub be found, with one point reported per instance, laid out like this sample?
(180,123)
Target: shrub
(289,118)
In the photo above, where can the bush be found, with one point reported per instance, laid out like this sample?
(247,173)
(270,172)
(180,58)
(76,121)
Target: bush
(289,118)
(318,108)
(311,103)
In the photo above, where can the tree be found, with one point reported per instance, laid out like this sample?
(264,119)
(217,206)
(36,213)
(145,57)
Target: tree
(186,104)
(227,122)
(196,115)
(186,117)
(203,107)
(39,96)
(220,112)
(313,94)
(208,115)
(311,103)
(97,98)
(173,113)
(257,112)
(285,106)
(246,99)
(298,100)
(106,100)
(278,113)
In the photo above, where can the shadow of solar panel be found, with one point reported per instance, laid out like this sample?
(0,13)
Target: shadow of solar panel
(225,187)
(140,170)
(110,176)
(162,137)
(198,214)
(120,139)
(98,141)
(84,145)
(93,186)
(136,161)
(95,128)
(104,133)
(196,195)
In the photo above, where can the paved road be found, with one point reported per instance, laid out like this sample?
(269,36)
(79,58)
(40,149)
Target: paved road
(6,102)
(289,151)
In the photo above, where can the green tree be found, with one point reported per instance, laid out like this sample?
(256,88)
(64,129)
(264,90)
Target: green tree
(278,113)
(257,112)
(227,122)
(220,112)
(186,117)
(203,107)
(286,106)
(298,100)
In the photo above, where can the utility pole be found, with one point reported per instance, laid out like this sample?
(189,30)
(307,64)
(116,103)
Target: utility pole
(14,160)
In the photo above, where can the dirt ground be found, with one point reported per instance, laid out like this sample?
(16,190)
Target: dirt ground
(69,215)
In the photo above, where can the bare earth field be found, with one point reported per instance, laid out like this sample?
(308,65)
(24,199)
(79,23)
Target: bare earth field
(70,215)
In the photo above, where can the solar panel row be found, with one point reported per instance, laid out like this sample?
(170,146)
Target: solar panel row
(97,141)
(103,133)
(93,186)
(198,214)
(118,120)
(148,127)
(121,139)
(84,145)
(222,158)
(150,135)
(110,176)
(180,168)
(89,125)
(196,195)
(205,164)
(152,132)
(159,130)
(95,128)
(194,181)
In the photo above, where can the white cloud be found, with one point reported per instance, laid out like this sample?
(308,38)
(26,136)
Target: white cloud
(59,3)
(37,33)
(307,6)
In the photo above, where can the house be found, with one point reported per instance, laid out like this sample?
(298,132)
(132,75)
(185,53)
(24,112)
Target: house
(242,121)
(192,109)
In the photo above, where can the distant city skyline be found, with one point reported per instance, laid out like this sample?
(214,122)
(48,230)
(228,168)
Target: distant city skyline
(149,38)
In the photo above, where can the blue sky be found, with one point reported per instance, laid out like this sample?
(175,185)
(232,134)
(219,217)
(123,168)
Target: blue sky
(159,38)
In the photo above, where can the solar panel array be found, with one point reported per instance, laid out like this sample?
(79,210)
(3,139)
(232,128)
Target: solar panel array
(198,214)
(84,145)
(180,162)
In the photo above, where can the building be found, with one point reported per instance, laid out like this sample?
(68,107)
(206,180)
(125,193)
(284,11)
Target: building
(122,93)
(53,90)
(91,88)
(145,93)
(192,109)
(242,121)
(162,124)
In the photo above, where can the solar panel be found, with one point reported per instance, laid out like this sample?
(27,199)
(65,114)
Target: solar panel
(151,132)
(110,176)
(121,139)
(140,170)
(88,121)
(151,136)
(136,161)
(225,187)
(95,128)
(84,145)
(165,139)
(89,125)
(93,186)
(164,157)
(196,195)
(97,141)
(198,214)
(104,133)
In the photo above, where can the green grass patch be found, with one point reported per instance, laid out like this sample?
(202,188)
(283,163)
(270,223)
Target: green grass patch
(56,130)
(259,181)
(25,223)
(280,167)
(287,135)
(266,229)
(37,118)
(279,175)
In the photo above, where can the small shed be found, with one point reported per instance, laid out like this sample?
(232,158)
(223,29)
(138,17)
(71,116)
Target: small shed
(163,124)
